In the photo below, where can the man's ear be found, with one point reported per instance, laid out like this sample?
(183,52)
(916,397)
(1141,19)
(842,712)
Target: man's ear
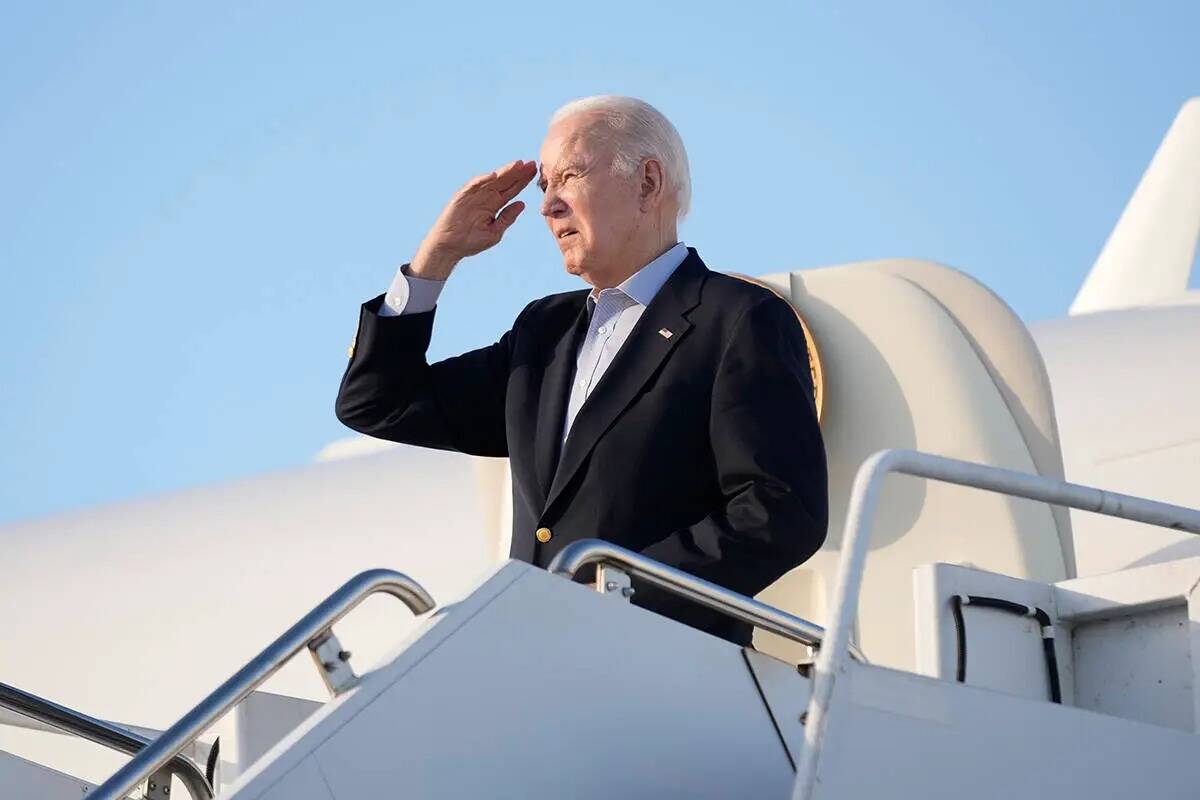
(651,188)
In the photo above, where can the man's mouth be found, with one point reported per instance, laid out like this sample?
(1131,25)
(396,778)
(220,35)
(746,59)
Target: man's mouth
(566,233)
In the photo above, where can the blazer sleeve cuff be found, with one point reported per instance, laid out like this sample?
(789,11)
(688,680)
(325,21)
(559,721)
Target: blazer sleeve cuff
(379,335)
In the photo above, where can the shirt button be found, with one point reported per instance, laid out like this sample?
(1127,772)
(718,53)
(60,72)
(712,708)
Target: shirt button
(544,535)
(602,329)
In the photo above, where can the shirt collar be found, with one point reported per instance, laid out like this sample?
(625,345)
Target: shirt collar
(642,285)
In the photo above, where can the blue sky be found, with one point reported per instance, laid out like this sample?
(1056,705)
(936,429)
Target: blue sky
(195,200)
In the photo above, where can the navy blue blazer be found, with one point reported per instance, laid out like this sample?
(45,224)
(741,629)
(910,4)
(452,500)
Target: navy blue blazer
(701,449)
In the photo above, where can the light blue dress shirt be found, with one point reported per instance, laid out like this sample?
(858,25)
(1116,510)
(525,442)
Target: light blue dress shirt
(613,313)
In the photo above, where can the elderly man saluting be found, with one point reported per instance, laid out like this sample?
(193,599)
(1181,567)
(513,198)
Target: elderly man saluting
(668,409)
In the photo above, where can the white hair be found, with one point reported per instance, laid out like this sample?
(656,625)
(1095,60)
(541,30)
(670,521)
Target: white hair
(642,132)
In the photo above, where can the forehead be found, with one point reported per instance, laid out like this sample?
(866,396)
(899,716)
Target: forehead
(574,139)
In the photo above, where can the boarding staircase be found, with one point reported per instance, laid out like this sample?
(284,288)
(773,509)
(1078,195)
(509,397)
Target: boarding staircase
(532,685)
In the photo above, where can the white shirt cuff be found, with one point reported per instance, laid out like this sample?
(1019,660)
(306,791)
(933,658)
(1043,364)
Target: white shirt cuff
(409,294)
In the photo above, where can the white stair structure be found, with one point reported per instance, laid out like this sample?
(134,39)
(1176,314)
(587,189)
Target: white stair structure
(534,685)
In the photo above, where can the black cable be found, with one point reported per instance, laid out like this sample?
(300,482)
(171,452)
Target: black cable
(1001,605)
(959,600)
(1051,667)
(210,768)
(960,630)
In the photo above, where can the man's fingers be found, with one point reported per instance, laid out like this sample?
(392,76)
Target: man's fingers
(510,180)
(479,181)
(499,177)
(514,176)
(508,216)
(516,172)
(513,190)
(517,181)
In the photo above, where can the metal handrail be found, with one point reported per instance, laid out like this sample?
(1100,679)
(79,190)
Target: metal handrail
(114,737)
(864,497)
(310,631)
(577,555)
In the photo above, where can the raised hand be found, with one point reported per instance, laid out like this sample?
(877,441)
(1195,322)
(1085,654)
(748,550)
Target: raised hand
(474,220)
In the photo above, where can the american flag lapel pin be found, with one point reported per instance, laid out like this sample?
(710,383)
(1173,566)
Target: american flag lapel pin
(666,334)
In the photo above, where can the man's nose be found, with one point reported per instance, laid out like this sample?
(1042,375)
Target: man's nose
(552,204)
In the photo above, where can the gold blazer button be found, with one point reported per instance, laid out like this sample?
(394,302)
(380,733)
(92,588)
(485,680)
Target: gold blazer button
(544,535)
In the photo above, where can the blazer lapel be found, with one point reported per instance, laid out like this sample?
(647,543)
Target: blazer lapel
(552,406)
(638,359)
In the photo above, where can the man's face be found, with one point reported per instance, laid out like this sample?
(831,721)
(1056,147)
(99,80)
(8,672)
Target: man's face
(594,215)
